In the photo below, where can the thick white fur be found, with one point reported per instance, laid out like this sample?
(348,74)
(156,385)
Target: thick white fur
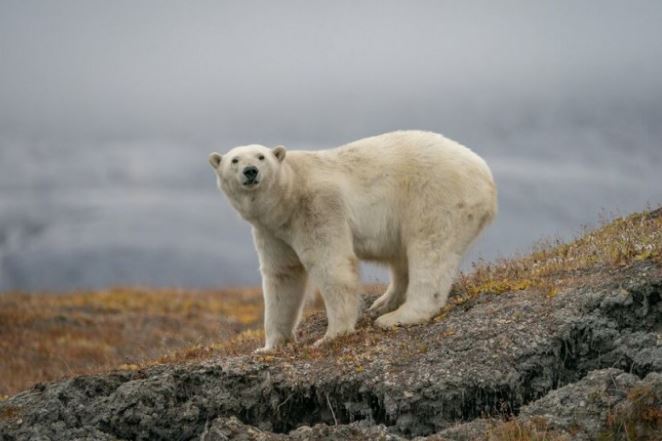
(410,199)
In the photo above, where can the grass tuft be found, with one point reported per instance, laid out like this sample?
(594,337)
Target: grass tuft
(640,417)
(553,265)
(515,430)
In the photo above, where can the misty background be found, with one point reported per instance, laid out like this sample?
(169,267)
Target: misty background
(108,110)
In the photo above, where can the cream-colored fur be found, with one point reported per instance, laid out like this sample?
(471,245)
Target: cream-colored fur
(410,199)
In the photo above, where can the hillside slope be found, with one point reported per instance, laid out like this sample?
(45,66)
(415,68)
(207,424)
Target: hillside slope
(565,343)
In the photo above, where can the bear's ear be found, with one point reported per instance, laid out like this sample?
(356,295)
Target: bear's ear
(279,152)
(215,160)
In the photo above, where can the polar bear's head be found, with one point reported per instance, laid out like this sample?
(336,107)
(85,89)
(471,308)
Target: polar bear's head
(247,168)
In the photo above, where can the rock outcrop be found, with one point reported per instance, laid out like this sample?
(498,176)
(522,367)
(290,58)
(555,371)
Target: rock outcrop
(583,364)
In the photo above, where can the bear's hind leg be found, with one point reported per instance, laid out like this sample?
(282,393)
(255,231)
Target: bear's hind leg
(397,289)
(432,268)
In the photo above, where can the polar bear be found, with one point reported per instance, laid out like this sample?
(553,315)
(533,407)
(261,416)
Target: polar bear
(412,200)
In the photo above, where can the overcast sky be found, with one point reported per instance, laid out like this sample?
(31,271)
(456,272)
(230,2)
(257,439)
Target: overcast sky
(316,71)
(108,110)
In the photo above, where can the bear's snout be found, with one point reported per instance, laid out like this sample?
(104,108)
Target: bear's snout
(250,173)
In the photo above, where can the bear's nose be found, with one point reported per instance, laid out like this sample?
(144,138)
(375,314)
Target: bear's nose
(250,172)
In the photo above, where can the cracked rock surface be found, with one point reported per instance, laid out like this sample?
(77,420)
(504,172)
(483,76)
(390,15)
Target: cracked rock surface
(580,364)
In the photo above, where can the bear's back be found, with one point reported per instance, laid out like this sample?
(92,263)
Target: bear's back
(397,158)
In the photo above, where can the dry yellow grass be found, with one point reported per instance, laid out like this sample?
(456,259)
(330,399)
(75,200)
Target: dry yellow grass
(514,430)
(47,337)
(548,269)
(552,266)
(44,337)
(639,419)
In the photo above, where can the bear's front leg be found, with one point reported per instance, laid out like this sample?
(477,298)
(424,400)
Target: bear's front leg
(323,241)
(283,288)
(337,280)
(283,297)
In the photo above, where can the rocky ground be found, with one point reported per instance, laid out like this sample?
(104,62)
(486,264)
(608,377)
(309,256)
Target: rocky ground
(580,362)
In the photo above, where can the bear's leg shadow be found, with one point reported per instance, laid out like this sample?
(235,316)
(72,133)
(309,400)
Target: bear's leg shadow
(432,267)
(397,289)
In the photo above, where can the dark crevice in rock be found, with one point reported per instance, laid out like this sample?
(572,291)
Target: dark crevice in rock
(585,346)
(616,327)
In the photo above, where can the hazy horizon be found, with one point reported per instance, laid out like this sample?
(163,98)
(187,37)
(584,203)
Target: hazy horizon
(109,109)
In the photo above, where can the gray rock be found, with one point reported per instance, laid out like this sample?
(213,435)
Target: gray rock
(585,408)
(493,358)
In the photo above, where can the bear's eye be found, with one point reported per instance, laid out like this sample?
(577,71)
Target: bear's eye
(261,157)
(235,160)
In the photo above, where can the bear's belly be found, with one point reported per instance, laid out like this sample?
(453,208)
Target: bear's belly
(374,249)
(375,236)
